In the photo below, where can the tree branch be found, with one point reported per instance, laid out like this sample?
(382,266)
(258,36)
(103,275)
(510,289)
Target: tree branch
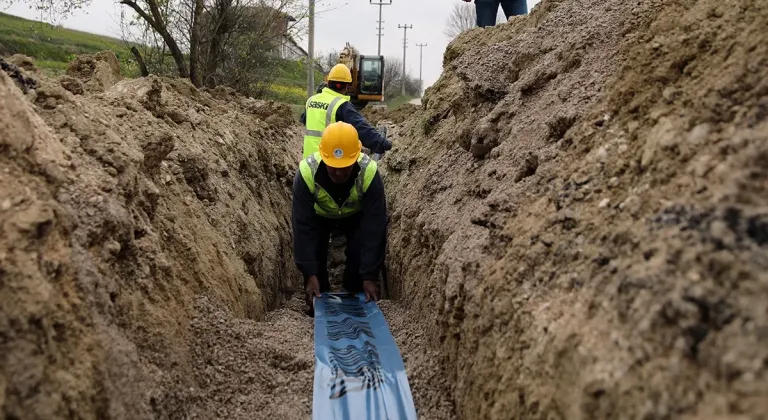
(141,13)
(140,60)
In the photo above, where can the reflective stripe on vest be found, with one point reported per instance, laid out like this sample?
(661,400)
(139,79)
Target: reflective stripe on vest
(324,204)
(320,111)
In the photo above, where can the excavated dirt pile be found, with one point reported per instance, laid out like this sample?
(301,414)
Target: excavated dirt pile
(122,203)
(581,207)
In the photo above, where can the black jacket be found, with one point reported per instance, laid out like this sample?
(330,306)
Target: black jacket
(370,236)
(369,136)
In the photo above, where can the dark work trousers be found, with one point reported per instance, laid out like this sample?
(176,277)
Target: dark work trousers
(487,10)
(352,283)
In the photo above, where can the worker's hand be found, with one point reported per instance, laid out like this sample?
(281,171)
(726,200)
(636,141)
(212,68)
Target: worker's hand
(387,145)
(312,290)
(371,293)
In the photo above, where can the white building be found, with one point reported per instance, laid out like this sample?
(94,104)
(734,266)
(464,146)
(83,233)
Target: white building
(288,49)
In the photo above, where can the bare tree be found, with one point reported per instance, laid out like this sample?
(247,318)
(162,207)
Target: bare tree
(464,17)
(240,40)
(146,44)
(151,11)
(393,70)
(208,40)
(327,60)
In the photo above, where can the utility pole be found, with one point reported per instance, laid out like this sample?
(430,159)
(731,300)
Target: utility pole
(311,52)
(421,56)
(380,22)
(405,45)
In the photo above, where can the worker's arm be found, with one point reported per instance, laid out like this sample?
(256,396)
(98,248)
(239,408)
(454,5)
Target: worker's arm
(304,229)
(373,230)
(369,136)
(303,117)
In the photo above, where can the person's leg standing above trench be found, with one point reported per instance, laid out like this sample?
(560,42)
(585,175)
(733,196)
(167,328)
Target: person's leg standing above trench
(486,12)
(514,7)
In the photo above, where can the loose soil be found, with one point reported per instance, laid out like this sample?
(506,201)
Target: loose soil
(581,209)
(121,204)
(145,261)
(579,229)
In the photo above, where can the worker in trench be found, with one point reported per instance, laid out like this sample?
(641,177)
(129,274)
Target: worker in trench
(339,187)
(332,104)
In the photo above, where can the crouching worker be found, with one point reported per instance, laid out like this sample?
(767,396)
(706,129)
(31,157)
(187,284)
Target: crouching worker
(339,187)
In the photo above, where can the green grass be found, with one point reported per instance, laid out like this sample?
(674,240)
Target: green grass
(287,93)
(397,102)
(54,47)
(297,110)
(290,85)
(294,73)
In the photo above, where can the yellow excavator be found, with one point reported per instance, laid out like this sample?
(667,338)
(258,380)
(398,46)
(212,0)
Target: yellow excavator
(367,76)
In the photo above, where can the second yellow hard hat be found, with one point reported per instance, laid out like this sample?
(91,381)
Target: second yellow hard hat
(340,73)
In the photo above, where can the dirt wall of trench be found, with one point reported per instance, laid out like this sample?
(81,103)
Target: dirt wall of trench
(581,208)
(121,202)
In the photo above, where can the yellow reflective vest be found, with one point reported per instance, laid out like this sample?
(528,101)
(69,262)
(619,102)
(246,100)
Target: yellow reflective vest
(324,204)
(320,111)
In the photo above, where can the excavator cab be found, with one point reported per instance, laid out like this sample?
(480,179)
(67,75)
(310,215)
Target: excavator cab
(367,80)
(370,81)
(367,77)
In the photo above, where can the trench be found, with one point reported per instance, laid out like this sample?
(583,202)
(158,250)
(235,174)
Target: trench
(165,288)
(264,369)
(579,230)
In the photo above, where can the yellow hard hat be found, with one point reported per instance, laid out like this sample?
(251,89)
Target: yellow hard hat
(340,145)
(340,73)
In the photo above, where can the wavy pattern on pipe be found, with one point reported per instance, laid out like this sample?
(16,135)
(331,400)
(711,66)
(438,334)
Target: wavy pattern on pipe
(359,373)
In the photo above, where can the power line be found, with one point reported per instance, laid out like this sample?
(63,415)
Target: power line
(380,22)
(405,45)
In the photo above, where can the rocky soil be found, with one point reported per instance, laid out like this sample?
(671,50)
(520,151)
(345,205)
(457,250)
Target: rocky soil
(579,229)
(145,257)
(581,209)
(122,201)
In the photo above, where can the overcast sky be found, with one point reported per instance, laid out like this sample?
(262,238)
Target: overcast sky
(336,22)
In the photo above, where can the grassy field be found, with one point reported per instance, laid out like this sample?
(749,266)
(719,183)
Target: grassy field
(397,102)
(290,86)
(54,47)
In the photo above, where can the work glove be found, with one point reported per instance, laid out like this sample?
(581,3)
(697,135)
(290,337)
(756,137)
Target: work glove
(387,145)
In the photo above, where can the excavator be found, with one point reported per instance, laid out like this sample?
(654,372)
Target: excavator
(367,76)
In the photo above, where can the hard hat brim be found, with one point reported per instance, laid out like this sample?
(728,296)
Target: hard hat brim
(343,162)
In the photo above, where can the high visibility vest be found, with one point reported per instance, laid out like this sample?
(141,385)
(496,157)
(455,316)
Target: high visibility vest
(320,111)
(324,204)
